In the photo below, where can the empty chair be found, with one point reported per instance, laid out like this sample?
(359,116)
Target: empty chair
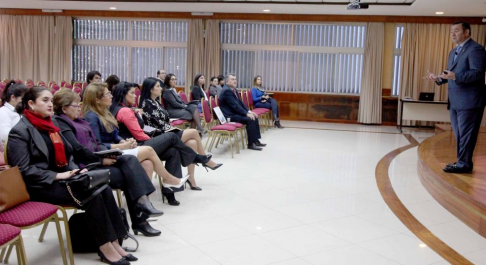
(10,237)
(183,96)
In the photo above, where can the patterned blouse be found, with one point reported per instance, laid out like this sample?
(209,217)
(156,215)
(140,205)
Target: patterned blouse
(155,115)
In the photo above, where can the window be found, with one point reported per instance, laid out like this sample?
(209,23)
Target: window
(131,49)
(295,57)
(397,59)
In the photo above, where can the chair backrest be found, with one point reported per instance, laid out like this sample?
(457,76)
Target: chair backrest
(2,86)
(41,83)
(84,85)
(29,85)
(51,83)
(244,97)
(207,93)
(250,100)
(63,83)
(67,85)
(77,90)
(206,111)
(161,100)
(183,96)
(212,104)
(78,85)
(137,92)
(190,96)
(55,87)
(217,101)
(18,81)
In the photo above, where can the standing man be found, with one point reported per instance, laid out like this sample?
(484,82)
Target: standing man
(467,93)
(161,75)
(233,108)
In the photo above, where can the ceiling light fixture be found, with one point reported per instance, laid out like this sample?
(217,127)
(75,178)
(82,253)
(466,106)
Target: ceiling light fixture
(113,8)
(266,10)
(439,13)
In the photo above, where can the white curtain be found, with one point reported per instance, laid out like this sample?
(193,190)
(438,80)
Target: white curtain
(370,100)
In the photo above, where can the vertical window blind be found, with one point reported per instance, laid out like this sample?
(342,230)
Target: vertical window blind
(397,59)
(132,50)
(321,58)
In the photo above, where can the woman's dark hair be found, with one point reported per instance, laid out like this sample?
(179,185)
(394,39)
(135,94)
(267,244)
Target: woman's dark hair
(147,85)
(212,78)
(112,81)
(119,93)
(220,77)
(167,81)
(91,75)
(12,89)
(31,94)
(196,79)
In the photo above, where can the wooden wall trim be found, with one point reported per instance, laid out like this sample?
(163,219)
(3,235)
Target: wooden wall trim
(246,16)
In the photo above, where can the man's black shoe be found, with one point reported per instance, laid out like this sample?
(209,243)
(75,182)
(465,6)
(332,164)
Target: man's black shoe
(254,146)
(260,144)
(451,164)
(455,169)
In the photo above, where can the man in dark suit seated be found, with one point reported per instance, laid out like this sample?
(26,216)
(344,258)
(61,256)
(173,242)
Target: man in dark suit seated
(233,108)
(467,93)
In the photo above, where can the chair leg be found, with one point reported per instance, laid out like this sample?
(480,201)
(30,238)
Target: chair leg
(68,234)
(17,249)
(207,141)
(23,257)
(231,146)
(9,251)
(43,232)
(119,197)
(61,241)
(2,254)
(242,139)
(211,145)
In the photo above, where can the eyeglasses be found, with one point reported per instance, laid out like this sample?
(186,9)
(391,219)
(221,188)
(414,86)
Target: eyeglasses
(107,94)
(75,106)
(173,79)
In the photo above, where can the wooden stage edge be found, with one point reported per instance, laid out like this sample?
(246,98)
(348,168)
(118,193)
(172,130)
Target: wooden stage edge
(407,218)
(464,195)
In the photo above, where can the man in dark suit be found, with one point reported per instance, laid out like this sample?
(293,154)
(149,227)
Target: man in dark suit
(233,108)
(161,75)
(467,94)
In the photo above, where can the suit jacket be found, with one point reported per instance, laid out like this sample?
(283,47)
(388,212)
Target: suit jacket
(231,104)
(176,107)
(468,91)
(197,93)
(28,151)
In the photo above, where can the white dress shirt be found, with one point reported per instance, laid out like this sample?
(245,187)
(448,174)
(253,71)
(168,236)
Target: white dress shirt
(8,119)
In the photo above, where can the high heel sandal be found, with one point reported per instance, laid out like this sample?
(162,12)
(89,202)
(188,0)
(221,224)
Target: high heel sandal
(192,187)
(103,258)
(181,183)
(212,168)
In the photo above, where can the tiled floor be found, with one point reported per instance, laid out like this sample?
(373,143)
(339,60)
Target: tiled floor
(310,197)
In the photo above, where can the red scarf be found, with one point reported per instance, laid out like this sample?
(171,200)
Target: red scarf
(46,125)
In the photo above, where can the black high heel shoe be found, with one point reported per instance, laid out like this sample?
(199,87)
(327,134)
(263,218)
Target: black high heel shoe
(130,257)
(201,159)
(170,199)
(146,230)
(103,258)
(147,209)
(193,187)
(212,168)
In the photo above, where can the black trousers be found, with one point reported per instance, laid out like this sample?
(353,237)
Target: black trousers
(127,174)
(102,213)
(465,124)
(170,148)
(252,127)
(272,105)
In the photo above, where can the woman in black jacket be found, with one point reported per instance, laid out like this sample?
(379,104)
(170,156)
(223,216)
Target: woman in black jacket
(44,157)
(126,172)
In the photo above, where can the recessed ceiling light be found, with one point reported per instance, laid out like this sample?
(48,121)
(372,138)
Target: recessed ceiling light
(439,13)
(422,245)
(113,8)
(266,10)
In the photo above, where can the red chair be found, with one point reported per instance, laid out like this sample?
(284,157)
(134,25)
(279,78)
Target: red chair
(183,96)
(84,85)
(218,131)
(265,114)
(18,81)
(78,85)
(239,126)
(63,83)
(29,85)
(29,81)
(51,83)
(137,92)
(176,123)
(54,88)
(68,86)
(77,90)
(42,83)
(2,86)
(216,99)
(10,237)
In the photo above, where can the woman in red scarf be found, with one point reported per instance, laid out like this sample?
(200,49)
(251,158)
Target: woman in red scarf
(45,157)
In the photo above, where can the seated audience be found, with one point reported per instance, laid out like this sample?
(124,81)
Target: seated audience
(161,75)
(215,88)
(197,91)
(262,100)
(233,108)
(44,157)
(11,96)
(176,107)
(112,81)
(156,116)
(93,76)
(126,171)
(105,128)
(221,81)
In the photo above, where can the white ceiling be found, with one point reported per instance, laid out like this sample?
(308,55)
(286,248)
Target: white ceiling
(466,8)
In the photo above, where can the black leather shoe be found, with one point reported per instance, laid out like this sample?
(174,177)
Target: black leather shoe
(258,143)
(278,125)
(147,209)
(146,230)
(171,199)
(452,164)
(122,261)
(192,187)
(455,169)
(254,146)
(130,257)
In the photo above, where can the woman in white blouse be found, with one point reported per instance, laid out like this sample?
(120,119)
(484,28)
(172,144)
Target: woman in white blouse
(11,96)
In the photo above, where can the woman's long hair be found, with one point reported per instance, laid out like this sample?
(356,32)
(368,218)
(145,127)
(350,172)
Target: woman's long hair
(255,81)
(119,94)
(167,81)
(93,92)
(196,81)
(147,86)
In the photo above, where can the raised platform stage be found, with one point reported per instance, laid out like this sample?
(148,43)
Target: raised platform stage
(464,195)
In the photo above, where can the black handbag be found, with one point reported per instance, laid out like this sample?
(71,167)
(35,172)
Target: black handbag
(92,182)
